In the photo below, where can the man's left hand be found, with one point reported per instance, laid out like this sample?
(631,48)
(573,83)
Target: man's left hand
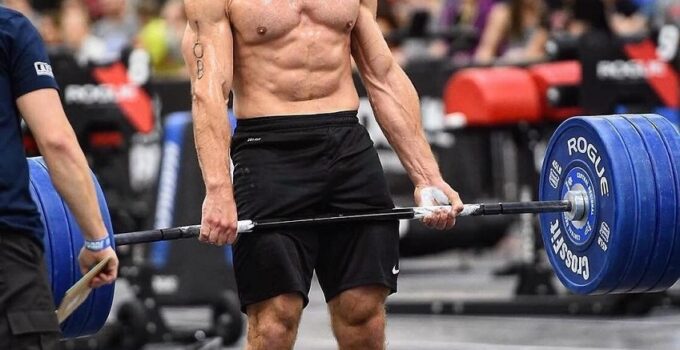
(87,259)
(437,194)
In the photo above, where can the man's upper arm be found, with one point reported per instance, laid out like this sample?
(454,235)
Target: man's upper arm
(44,115)
(29,65)
(369,49)
(33,84)
(207,46)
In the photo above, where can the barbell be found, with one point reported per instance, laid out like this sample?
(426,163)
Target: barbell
(609,211)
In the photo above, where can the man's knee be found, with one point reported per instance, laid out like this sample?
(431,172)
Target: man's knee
(362,307)
(358,318)
(276,318)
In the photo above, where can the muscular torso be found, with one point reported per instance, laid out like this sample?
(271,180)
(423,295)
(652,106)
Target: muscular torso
(292,56)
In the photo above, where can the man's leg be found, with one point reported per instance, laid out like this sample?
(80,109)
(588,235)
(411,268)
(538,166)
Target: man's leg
(358,263)
(358,317)
(273,323)
(27,318)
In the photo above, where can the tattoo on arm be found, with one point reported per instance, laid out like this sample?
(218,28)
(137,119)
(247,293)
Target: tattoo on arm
(198,54)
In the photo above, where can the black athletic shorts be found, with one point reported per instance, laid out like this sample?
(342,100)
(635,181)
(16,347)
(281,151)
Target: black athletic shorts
(27,318)
(300,166)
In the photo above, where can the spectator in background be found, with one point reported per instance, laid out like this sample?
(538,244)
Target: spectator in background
(50,29)
(467,16)
(666,12)
(78,39)
(386,18)
(621,17)
(468,13)
(117,26)
(558,15)
(161,37)
(405,9)
(147,11)
(416,23)
(391,29)
(516,32)
(26,9)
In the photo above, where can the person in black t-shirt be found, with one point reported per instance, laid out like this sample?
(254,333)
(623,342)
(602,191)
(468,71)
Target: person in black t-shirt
(28,87)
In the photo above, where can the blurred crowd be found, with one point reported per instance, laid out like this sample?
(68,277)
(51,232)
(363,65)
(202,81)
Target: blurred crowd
(462,31)
(509,31)
(100,31)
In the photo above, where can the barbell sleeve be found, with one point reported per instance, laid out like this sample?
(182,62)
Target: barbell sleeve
(519,208)
(391,214)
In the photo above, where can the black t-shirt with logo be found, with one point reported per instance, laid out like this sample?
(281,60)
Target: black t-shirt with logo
(24,67)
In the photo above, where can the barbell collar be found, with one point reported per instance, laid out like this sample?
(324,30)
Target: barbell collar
(580,206)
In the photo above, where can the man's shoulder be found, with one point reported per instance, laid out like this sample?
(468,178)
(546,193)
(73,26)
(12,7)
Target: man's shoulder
(12,17)
(13,21)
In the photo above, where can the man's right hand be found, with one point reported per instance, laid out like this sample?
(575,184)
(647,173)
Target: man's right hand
(219,222)
(88,259)
(435,194)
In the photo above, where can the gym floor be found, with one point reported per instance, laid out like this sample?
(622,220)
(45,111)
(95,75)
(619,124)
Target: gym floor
(450,276)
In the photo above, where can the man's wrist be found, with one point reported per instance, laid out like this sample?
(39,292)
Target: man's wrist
(97,245)
(428,181)
(217,186)
(425,175)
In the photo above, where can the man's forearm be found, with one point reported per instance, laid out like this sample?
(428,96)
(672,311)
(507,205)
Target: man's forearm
(65,160)
(71,176)
(397,109)
(211,132)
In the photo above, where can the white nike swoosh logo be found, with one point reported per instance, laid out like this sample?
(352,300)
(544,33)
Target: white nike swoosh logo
(395,270)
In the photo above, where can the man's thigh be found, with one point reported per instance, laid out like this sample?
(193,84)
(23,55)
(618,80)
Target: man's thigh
(358,254)
(268,264)
(27,318)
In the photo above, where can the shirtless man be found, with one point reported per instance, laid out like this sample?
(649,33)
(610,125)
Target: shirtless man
(298,151)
